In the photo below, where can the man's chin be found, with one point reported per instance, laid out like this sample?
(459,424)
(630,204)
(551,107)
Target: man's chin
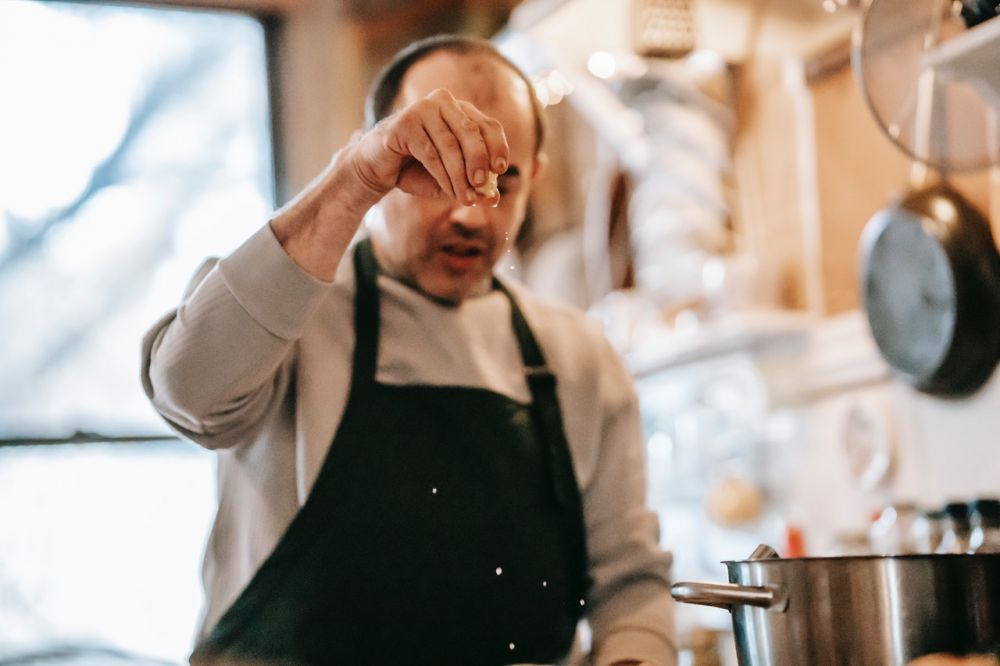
(452,289)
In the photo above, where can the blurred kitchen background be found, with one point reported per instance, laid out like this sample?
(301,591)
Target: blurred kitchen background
(713,165)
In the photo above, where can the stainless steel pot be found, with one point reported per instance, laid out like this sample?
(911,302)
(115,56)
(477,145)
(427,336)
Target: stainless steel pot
(856,611)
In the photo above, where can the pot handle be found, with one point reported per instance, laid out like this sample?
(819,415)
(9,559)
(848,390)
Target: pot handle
(727,595)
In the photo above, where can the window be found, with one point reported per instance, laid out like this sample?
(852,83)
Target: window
(134,142)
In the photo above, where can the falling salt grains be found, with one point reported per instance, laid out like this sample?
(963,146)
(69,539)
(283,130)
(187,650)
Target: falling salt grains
(510,645)
(545,583)
(499,570)
(582,602)
(434,491)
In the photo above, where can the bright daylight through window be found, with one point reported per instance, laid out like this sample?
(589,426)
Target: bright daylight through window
(134,142)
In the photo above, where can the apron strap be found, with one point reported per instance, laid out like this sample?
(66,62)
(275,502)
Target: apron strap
(548,419)
(544,404)
(366,317)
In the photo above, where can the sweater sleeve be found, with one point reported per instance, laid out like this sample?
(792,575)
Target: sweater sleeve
(214,366)
(631,613)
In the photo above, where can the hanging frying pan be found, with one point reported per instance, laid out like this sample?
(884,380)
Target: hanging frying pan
(930,271)
(930,283)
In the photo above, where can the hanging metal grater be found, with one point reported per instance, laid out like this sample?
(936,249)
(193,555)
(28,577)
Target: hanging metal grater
(663,28)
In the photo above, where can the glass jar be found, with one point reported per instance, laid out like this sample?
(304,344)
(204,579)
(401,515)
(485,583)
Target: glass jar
(957,529)
(928,530)
(892,532)
(985,520)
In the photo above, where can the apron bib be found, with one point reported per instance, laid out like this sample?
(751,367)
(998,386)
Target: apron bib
(445,527)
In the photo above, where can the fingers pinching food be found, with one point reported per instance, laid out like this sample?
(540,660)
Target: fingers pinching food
(489,188)
(434,146)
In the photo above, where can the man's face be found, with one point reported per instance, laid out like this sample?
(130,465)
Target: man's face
(446,249)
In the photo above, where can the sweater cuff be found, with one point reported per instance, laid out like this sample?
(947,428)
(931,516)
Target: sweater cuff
(275,291)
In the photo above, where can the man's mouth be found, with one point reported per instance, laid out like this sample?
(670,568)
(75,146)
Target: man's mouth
(461,256)
(463,250)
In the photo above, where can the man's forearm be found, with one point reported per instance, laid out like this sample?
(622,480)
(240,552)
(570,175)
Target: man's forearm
(317,226)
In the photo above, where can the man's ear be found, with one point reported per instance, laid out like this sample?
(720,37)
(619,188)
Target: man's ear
(540,167)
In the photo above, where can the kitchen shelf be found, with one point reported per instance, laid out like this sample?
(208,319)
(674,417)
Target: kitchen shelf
(973,55)
(757,332)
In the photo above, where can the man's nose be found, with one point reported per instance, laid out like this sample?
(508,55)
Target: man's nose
(469,216)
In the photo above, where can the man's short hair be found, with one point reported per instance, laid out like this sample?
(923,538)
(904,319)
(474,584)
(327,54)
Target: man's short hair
(385,89)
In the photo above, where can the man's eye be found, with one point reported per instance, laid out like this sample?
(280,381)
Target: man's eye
(507,185)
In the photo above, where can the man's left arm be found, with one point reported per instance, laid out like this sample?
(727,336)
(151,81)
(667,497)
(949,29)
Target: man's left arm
(631,613)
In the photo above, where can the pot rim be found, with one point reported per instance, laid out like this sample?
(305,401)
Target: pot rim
(845,558)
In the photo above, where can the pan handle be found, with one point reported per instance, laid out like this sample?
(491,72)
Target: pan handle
(727,595)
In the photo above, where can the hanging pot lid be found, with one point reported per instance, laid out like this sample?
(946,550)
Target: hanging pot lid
(891,60)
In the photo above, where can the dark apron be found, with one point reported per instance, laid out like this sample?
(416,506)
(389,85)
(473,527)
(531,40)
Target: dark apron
(445,527)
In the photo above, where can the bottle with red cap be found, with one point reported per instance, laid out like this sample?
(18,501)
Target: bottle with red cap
(795,542)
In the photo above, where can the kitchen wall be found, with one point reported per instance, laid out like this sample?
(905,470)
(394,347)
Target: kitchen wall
(938,450)
(810,164)
(810,167)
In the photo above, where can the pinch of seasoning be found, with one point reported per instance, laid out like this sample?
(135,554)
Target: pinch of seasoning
(489,188)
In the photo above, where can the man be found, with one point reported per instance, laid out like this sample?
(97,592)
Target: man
(419,463)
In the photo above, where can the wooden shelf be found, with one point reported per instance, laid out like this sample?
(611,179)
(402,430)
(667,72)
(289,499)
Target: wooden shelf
(758,332)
